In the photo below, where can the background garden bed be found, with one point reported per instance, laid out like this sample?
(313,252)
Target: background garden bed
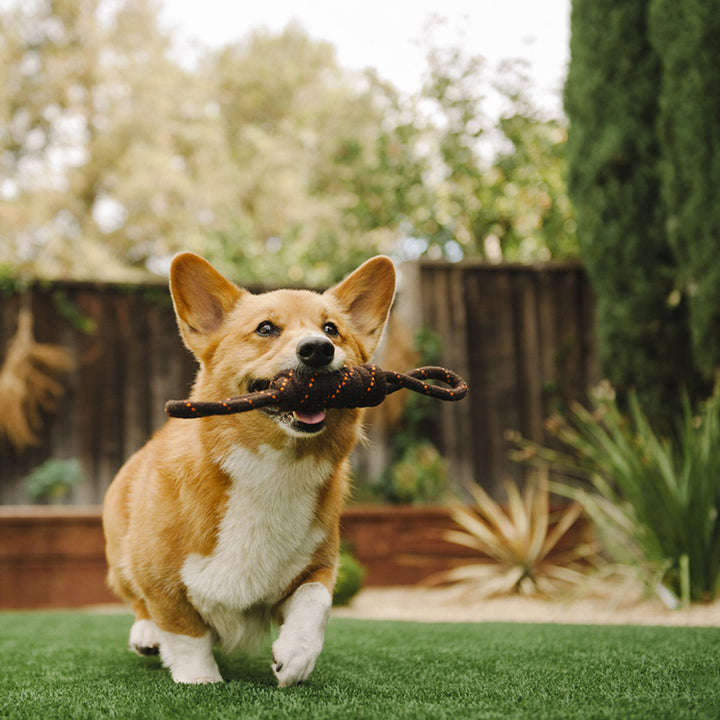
(51,557)
(54,556)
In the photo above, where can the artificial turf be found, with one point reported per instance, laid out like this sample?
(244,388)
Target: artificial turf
(76,665)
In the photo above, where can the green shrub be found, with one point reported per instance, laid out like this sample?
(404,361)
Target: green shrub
(655,502)
(351,575)
(417,472)
(419,476)
(52,481)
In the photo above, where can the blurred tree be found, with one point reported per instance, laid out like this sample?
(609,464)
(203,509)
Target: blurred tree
(643,149)
(528,207)
(513,204)
(684,36)
(267,157)
(45,71)
(109,154)
(308,139)
(612,103)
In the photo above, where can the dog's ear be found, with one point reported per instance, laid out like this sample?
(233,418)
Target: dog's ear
(366,296)
(202,298)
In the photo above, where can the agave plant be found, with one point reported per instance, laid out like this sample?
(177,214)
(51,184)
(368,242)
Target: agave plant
(516,545)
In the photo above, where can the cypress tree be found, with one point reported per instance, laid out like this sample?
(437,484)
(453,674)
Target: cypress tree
(685,38)
(611,99)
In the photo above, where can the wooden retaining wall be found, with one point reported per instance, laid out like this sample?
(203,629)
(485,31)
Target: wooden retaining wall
(54,557)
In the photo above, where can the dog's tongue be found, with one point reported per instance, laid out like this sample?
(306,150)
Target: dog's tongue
(309,418)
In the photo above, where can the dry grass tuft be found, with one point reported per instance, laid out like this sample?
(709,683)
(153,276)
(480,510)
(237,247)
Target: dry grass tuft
(29,384)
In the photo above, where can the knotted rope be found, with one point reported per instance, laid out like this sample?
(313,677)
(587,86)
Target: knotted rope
(351,387)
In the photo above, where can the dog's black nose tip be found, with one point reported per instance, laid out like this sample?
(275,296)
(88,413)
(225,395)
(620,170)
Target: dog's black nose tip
(316,351)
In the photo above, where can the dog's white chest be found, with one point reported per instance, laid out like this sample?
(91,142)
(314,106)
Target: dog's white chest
(266,538)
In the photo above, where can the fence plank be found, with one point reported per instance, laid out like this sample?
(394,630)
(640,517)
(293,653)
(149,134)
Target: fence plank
(444,309)
(529,344)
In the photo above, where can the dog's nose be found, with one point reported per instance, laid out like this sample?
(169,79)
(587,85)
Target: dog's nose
(315,351)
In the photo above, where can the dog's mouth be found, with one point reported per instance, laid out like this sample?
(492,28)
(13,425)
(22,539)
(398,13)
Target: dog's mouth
(296,422)
(308,423)
(299,423)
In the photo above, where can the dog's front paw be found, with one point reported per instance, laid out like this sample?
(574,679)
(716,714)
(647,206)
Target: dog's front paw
(302,635)
(294,657)
(190,659)
(196,676)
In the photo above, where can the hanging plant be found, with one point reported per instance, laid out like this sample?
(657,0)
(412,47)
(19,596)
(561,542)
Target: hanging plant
(29,385)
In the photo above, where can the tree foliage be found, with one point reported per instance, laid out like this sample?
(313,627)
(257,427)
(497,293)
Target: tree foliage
(108,157)
(267,156)
(612,100)
(515,207)
(684,36)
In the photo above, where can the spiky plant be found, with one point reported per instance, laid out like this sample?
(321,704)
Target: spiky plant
(516,545)
(654,501)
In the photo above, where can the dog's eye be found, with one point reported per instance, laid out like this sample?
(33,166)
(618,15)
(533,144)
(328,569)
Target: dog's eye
(330,328)
(266,328)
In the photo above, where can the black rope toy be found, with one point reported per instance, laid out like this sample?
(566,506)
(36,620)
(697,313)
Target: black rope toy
(350,387)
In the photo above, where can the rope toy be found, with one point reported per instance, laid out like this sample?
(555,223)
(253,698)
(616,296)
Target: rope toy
(351,387)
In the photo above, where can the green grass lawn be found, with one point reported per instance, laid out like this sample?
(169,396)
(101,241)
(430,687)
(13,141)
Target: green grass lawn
(75,665)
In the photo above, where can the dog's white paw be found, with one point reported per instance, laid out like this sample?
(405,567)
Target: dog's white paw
(144,638)
(196,676)
(189,659)
(302,635)
(294,657)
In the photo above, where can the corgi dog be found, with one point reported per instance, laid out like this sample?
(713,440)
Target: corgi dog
(220,526)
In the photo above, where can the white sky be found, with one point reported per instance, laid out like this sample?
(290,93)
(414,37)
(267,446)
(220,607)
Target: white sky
(384,34)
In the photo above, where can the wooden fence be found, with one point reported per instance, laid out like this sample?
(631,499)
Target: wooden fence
(523,337)
(128,361)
